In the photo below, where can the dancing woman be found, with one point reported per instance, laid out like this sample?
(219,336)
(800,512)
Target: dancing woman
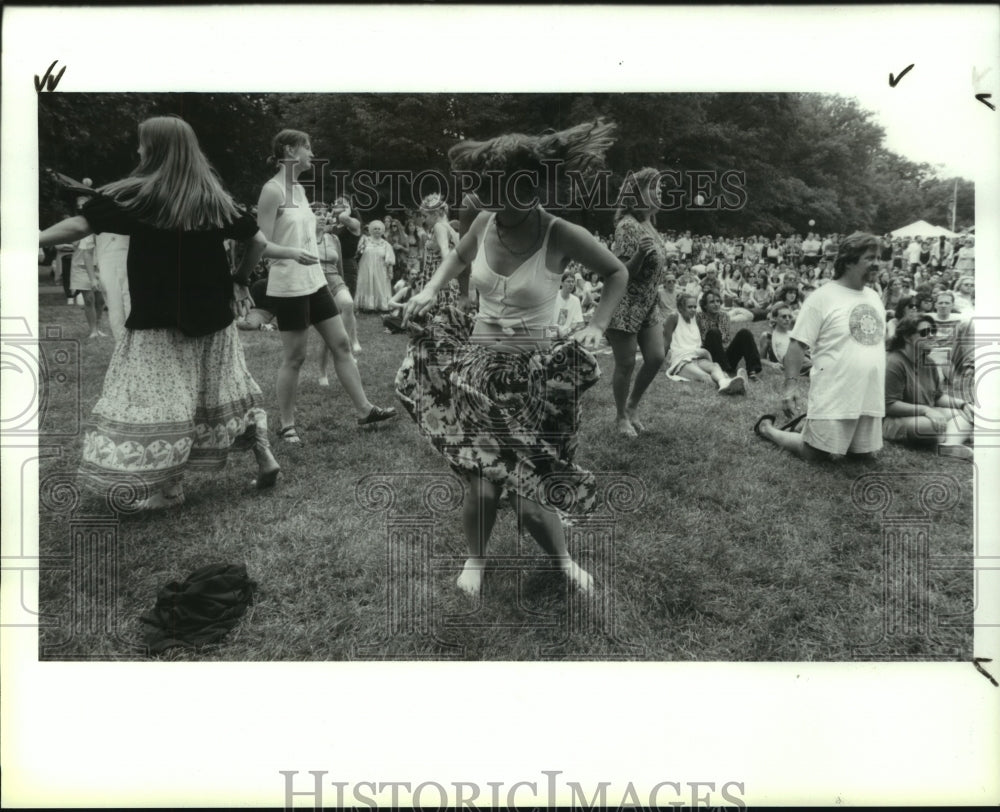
(502,407)
(638,319)
(441,238)
(177,394)
(299,296)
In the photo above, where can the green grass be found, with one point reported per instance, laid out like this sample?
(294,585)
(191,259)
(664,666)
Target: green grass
(740,551)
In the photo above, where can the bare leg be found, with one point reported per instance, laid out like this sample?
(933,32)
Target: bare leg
(479,514)
(346,306)
(546,528)
(623,346)
(90,311)
(792,441)
(294,344)
(650,341)
(335,337)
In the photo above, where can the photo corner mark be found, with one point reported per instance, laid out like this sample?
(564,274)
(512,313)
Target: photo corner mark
(894,80)
(48,81)
(976,662)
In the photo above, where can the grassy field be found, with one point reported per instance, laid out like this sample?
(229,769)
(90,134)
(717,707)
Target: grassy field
(738,552)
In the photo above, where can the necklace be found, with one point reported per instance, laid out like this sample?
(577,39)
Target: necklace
(496,225)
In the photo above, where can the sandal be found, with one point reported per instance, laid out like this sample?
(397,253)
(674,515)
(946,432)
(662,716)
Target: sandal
(760,422)
(791,424)
(376,415)
(290,436)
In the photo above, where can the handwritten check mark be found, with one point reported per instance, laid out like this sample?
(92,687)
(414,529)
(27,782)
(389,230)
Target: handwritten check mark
(894,80)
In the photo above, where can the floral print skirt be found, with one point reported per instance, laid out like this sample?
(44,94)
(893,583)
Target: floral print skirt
(170,403)
(509,416)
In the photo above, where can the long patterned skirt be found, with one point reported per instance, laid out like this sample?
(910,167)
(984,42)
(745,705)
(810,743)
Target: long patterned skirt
(170,403)
(510,417)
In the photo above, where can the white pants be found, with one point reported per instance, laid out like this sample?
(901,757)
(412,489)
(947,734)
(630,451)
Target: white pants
(112,260)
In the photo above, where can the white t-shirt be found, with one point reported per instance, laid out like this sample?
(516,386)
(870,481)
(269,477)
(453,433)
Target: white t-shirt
(567,313)
(845,332)
(913,253)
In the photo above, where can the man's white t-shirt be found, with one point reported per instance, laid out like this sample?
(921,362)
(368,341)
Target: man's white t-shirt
(845,332)
(913,253)
(567,313)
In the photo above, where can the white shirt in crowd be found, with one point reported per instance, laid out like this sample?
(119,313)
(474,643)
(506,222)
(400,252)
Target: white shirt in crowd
(567,315)
(845,331)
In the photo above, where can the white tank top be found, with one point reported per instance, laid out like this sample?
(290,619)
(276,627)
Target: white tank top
(685,341)
(294,226)
(523,299)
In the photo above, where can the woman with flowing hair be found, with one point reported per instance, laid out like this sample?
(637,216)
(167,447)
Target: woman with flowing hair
(638,319)
(299,296)
(177,394)
(495,393)
(441,239)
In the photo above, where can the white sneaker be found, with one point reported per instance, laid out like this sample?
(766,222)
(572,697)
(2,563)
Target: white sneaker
(323,381)
(70,301)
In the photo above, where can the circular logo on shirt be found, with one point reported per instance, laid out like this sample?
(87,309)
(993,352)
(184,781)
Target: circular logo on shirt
(866,326)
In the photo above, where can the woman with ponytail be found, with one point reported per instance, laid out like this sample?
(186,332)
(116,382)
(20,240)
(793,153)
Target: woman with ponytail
(299,296)
(497,394)
(177,394)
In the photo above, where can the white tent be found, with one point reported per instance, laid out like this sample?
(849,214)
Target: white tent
(922,228)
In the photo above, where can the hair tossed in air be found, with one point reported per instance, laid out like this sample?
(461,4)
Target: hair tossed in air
(851,249)
(579,148)
(174,186)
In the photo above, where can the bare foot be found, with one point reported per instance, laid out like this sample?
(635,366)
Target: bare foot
(630,413)
(161,501)
(579,576)
(471,579)
(625,427)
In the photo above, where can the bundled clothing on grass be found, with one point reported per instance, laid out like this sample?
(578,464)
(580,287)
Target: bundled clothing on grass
(199,610)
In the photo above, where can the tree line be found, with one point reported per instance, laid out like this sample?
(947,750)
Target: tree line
(803,156)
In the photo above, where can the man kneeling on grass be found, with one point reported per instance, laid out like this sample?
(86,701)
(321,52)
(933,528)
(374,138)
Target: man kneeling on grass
(843,323)
(686,354)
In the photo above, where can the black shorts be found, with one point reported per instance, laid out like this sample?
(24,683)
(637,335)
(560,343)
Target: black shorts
(298,312)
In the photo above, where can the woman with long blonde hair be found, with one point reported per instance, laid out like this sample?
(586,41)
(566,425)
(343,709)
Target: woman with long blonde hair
(177,394)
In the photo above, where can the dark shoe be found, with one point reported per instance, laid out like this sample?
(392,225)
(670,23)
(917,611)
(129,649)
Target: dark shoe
(290,436)
(793,423)
(377,415)
(760,422)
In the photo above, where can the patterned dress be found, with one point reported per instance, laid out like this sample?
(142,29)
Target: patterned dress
(639,307)
(509,417)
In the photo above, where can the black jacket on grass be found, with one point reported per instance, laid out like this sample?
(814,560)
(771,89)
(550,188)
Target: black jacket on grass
(199,610)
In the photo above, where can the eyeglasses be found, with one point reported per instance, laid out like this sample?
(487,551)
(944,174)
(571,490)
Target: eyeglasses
(923,332)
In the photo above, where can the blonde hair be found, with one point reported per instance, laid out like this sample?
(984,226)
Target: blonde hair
(174,186)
